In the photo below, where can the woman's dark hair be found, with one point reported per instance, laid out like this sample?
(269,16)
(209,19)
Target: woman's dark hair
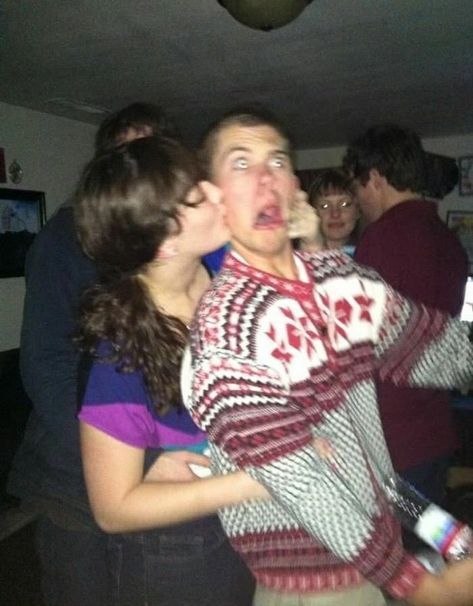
(329,181)
(127,203)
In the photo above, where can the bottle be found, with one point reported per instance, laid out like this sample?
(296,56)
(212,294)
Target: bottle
(436,527)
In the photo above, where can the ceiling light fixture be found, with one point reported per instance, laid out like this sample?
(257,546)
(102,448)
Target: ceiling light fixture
(264,14)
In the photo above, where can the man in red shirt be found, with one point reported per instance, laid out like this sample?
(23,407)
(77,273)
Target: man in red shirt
(414,251)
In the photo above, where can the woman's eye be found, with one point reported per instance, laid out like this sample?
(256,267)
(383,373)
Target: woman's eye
(240,163)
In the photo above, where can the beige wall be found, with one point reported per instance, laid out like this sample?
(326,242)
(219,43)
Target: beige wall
(51,152)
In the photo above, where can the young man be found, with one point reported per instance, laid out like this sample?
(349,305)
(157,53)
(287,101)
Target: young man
(283,352)
(415,252)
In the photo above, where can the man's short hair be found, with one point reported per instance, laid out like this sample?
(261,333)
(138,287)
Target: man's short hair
(245,116)
(395,152)
(139,116)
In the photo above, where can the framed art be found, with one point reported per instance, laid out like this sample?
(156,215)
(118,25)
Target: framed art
(465,183)
(461,222)
(22,214)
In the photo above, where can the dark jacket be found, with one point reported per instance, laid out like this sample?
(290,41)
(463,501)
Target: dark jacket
(47,472)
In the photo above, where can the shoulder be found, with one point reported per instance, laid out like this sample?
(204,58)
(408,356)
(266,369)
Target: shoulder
(231,316)
(108,383)
(331,264)
(57,241)
(58,228)
(56,257)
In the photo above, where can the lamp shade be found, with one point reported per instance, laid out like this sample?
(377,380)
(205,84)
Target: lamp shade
(264,14)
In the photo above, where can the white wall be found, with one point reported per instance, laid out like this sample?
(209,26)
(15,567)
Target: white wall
(51,151)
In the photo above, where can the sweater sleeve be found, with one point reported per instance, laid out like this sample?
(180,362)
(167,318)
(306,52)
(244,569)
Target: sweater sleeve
(249,414)
(420,347)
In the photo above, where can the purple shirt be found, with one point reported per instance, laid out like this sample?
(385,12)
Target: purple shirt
(118,404)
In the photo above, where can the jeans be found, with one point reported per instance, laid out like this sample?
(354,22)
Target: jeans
(74,570)
(186,565)
(430,478)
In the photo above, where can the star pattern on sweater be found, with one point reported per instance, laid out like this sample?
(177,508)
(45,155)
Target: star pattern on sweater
(299,334)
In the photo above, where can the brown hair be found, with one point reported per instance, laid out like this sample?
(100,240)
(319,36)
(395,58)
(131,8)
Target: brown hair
(329,181)
(245,116)
(143,117)
(127,203)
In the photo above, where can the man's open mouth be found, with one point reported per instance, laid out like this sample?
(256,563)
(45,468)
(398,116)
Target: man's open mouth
(269,218)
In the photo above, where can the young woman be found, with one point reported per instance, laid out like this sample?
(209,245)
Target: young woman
(339,214)
(146,217)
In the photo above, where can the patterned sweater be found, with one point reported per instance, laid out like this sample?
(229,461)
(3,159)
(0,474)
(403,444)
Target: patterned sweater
(277,364)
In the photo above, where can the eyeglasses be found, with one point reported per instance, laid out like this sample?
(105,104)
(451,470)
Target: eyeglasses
(340,205)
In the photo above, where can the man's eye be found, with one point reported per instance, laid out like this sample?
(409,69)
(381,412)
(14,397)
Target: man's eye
(279,162)
(240,163)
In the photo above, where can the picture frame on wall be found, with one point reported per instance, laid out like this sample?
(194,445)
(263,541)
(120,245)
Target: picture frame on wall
(22,215)
(465,182)
(461,222)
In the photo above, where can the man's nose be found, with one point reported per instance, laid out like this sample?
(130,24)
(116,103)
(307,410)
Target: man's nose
(266,172)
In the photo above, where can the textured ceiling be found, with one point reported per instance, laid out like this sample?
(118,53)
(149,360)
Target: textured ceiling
(341,66)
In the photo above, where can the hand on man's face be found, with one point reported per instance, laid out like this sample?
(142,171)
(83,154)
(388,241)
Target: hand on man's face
(304,223)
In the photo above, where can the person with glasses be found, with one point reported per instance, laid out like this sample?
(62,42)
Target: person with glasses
(339,214)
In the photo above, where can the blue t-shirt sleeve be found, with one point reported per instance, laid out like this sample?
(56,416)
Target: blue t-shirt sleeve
(117,404)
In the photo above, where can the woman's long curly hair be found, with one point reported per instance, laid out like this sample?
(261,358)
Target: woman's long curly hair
(127,203)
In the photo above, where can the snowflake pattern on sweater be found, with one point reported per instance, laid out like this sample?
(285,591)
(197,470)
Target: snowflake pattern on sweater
(277,365)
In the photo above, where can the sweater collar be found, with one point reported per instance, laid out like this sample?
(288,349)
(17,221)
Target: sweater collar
(294,288)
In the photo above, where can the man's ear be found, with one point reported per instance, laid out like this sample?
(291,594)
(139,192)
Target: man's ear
(377,180)
(211,191)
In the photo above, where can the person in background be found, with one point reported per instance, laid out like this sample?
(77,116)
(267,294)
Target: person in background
(331,196)
(415,252)
(47,472)
(284,347)
(146,217)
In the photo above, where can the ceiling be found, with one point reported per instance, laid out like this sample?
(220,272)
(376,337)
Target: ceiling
(341,66)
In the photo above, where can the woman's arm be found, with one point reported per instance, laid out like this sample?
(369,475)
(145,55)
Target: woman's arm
(122,501)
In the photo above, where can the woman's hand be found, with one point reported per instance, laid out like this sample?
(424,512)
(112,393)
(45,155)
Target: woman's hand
(174,466)
(305,224)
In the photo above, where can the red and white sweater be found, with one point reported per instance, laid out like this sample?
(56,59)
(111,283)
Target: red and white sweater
(277,364)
